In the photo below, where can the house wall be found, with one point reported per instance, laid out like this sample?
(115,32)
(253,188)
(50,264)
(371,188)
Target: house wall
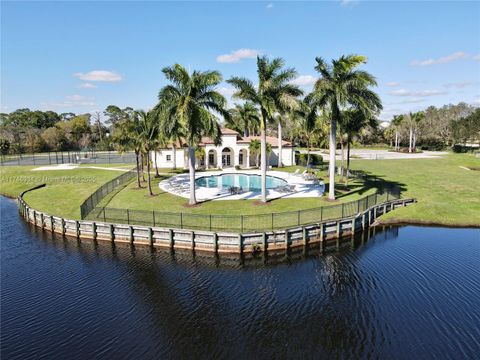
(228,141)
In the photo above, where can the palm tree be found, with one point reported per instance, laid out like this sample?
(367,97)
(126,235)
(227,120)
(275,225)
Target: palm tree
(397,121)
(254,148)
(148,137)
(126,136)
(194,103)
(353,121)
(274,94)
(342,86)
(244,119)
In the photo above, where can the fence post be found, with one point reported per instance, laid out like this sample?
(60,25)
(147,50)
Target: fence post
(130,233)
(153,214)
(104,218)
(343,210)
(112,235)
(63,226)
(358,206)
(42,222)
(94,230)
(193,240)
(339,228)
(298,217)
(181,220)
(210,222)
(241,219)
(77,228)
(286,239)
(321,213)
(265,242)
(353,225)
(272,221)
(304,236)
(128,217)
(51,223)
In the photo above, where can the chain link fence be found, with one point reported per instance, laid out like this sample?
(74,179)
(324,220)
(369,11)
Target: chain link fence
(93,200)
(68,157)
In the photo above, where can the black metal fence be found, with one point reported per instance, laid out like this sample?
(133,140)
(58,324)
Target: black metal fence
(93,200)
(240,223)
(68,157)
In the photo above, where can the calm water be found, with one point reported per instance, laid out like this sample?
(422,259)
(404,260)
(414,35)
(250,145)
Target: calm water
(247,182)
(407,293)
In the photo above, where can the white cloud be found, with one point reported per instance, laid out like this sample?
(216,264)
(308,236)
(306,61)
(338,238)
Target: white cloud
(304,80)
(459,85)
(412,101)
(226,91)
(476,57)
(442,60)
(392,84)
(270,6)
(99,75)
(422,93)
(348,2)
(72,101)
(87,86)
(237,55)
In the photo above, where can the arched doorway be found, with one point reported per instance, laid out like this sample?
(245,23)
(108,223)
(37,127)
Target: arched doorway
(212,159)
(243,158)
(227,157)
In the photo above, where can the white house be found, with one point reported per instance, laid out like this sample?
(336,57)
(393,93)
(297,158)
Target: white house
(234,150)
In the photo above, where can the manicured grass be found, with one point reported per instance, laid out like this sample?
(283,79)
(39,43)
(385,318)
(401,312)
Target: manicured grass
(136,199)
(446,193)
(65,190)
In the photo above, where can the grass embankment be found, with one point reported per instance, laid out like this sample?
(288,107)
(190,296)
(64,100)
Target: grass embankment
(136,199)
(447,194)
(65,190)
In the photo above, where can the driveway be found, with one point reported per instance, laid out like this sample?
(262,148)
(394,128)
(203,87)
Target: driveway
(369,154)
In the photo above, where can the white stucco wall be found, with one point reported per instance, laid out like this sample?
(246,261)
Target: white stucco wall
(228,141)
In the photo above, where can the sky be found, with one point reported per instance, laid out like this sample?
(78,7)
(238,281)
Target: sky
(83,56)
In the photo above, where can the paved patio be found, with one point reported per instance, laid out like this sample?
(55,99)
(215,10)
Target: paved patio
(179,185)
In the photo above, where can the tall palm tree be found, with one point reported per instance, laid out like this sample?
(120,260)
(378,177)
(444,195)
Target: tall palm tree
(254,148)
(126,136)
(274,93)
(397,122)
(353,121)
(342,86)
(244,119)
(193,101)
(148,137)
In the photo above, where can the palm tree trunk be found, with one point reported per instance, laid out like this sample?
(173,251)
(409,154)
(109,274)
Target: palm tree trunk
(156,165)
(414,140)
(280,163)
(263,164)
(191,170)
(410,140)
(142,158)
(138,168)
(148,177)
(342,162)
(174,156)
(348,160)
(331,165)
(396,140)
(308,152)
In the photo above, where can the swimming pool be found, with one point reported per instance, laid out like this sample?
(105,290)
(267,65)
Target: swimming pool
(247,182)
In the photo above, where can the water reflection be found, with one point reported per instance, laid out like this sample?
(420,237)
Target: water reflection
(401,292)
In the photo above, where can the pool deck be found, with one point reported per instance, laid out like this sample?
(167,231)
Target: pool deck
(179,185)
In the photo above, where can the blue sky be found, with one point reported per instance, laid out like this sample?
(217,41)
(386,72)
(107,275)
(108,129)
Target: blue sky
(83,56)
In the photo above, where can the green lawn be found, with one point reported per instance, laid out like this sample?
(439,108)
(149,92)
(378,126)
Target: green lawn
(65,190)
(136,199)
(446,193)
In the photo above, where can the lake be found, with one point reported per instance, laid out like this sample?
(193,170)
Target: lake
(403,292)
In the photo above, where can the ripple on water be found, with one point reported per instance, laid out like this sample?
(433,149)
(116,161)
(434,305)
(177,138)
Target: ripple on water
(405,292)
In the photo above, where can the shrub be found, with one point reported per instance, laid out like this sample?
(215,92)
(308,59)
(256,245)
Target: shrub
(315,159)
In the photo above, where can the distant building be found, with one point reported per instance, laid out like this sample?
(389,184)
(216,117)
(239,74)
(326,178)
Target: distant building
(234,150)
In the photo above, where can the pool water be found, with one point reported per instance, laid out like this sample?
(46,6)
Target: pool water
(247,182)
